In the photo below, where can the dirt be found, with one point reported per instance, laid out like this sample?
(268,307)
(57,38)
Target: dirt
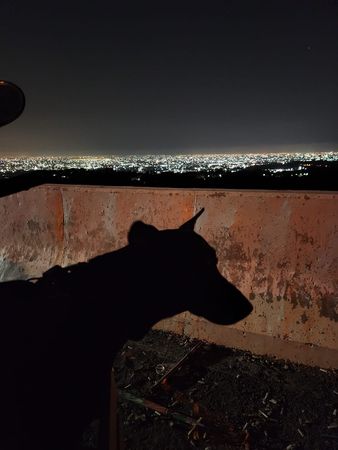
(231,399)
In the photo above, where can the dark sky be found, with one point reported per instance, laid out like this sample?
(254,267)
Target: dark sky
(171,77)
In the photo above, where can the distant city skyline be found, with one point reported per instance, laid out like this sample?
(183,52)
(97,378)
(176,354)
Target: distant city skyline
(171,78)
(272,163)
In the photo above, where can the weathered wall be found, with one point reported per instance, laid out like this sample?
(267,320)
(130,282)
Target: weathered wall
(279,248)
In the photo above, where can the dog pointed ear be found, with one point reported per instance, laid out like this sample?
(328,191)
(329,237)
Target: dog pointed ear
(190,224)
(141,232)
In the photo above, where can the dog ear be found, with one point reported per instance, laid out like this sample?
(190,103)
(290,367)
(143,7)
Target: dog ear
(141,232)
(190,224)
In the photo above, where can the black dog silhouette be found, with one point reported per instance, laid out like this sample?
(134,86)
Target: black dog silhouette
(59,335)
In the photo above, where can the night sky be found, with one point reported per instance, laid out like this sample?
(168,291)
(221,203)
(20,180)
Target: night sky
(171,77)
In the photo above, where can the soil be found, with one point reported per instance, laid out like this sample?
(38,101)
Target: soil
(231,399)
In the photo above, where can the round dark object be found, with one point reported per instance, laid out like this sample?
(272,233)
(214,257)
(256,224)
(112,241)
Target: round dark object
(12,102)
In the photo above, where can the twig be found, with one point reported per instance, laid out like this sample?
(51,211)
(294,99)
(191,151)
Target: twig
(177,365)
(193,429)
(263,414)
(160,409)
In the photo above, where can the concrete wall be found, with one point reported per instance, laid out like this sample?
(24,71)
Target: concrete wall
(279,248)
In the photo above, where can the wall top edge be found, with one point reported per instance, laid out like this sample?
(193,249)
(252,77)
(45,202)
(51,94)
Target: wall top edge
(210,191)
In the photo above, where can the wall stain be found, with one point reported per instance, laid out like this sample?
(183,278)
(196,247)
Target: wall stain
(329,307)
(10,270)
(304,238)
(236,252)
(302,299)
(269,297)
(283,264)
(217,195)
(34,226)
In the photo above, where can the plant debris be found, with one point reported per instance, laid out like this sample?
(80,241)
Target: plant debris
(218,398)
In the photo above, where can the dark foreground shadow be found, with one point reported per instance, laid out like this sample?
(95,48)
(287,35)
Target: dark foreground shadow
(59,335)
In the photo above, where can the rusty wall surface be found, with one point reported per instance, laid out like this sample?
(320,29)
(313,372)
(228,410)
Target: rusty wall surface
(279,248)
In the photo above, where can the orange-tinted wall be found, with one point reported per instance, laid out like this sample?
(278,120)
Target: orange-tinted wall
(279,248)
